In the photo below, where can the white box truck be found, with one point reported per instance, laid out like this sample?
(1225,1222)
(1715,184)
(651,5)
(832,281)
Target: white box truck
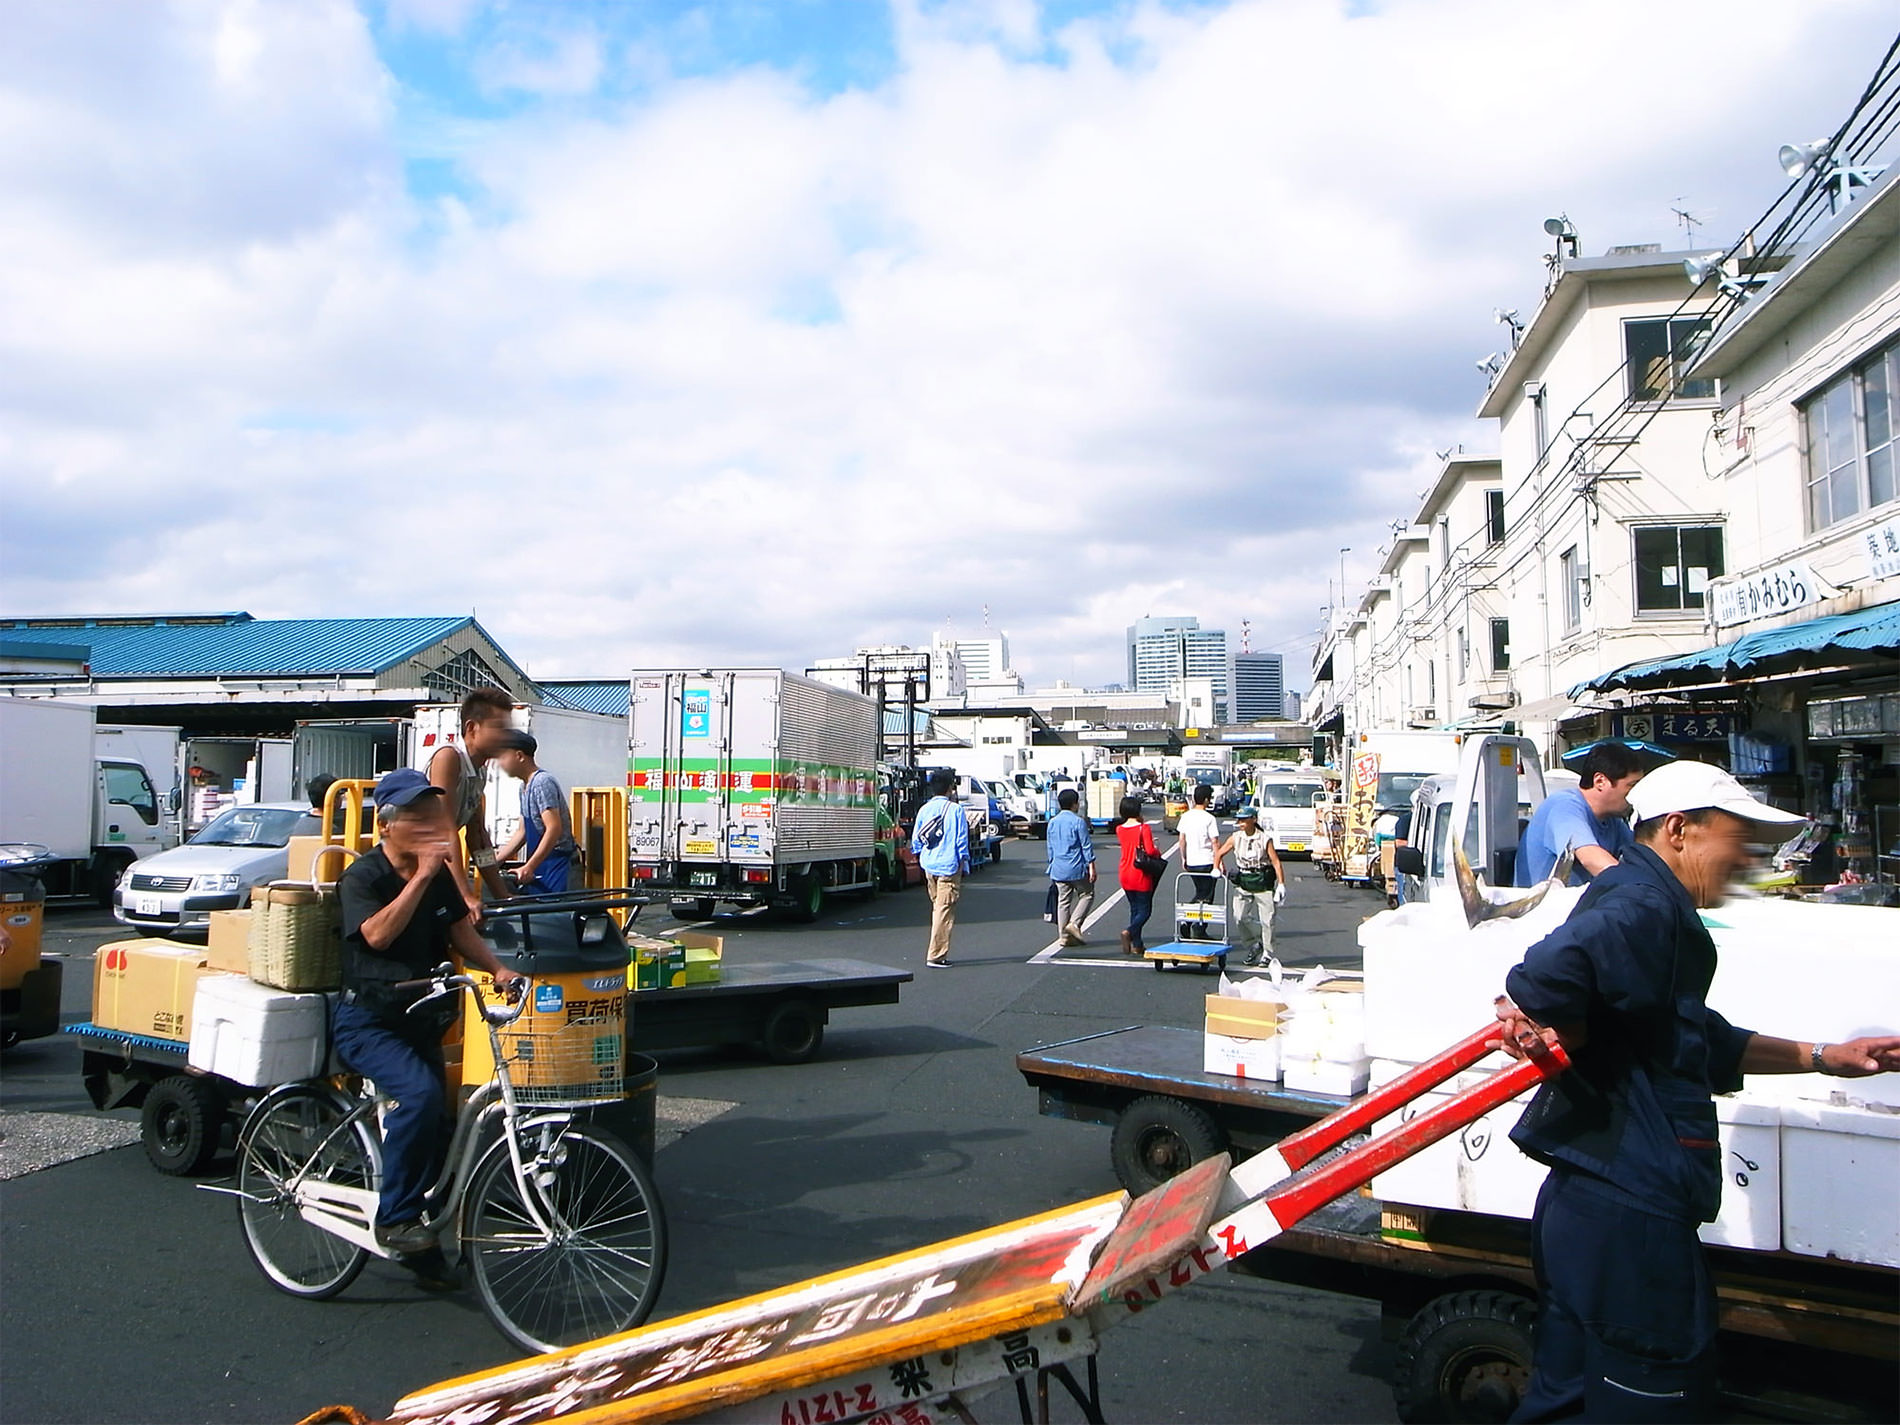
(95,812)
(1207,765)
(581,749)
(750,786)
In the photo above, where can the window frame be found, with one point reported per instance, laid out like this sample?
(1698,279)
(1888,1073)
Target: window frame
(1501,645)
(1668,322)
(1495,527)
(1569,576)
(1683,609)
(1853,379)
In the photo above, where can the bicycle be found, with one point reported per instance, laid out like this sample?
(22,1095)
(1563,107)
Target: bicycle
(560,1223)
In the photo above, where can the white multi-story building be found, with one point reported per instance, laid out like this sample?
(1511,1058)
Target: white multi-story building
(1164,650)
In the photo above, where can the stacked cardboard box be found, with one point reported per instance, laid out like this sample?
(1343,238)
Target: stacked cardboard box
(146,987)
(689,957)
(1242,1036)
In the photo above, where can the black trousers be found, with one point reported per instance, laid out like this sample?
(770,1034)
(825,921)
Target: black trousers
(1626,1330)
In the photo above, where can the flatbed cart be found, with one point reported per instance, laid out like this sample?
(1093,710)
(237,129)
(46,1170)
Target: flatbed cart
(782,1007)
(1456,1290)
(183,1112)
(917,1337)
(1209,949)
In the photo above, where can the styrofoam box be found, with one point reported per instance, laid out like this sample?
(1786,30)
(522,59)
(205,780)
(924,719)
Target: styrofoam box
(1479,1168)
(1328,1076)
(255,1035)
(1241,1058)
(1838,1168)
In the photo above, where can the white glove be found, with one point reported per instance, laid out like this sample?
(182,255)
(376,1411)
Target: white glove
(1279,894)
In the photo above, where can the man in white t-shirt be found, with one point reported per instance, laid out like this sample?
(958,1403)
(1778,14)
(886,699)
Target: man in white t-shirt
(1200,834)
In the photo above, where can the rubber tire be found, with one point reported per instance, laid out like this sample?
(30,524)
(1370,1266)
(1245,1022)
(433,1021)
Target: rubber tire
(811,900)
(793,1031)
(1157,1137)
(1464,1357)
(889,876)
(179,1125)
(494,1178)
(359,1150)
(103,876)
(996,850)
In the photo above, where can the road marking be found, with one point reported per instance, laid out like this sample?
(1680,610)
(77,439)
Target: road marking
(1049,952)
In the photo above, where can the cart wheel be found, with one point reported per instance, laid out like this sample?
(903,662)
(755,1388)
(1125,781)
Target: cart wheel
(1391,902)
(1464,1357)
(1157,1137)
(179,1125)
(1220,965)
(793,1031)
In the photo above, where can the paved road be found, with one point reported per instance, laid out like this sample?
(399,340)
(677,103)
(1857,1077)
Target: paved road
(129,1296)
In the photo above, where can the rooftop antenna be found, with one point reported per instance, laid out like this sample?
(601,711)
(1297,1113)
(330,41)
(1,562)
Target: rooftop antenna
(986,616)
(1690,221)
(1246,633)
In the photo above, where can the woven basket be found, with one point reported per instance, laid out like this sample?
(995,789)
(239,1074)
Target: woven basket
(296,937)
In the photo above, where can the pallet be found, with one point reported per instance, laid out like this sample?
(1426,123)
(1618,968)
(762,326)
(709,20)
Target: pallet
(1202,955)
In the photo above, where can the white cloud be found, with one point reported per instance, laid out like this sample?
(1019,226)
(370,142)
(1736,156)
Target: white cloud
(1148,316)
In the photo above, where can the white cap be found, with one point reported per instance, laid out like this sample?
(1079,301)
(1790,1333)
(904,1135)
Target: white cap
(1691,786)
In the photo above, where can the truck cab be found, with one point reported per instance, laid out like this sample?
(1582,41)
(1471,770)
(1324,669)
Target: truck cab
(1483,807)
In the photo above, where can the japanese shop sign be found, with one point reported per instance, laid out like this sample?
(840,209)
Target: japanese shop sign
(1766,592)
(1882,543)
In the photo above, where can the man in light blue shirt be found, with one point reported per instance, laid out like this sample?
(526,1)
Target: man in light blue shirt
(1590,822)
(1071,867)
(940,840)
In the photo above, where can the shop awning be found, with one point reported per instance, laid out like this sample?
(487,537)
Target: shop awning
(1866,636)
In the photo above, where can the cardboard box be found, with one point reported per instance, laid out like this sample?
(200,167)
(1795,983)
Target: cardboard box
(303,853)
(229,945)
(146,987)
(705,954)
(1238,1018)
(657,964)
(1241,1058)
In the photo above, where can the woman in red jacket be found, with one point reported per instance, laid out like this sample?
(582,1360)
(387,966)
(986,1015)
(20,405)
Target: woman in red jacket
(1137,884)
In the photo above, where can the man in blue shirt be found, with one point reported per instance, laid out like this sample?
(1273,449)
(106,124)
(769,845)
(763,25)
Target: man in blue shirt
(940,840)
(1628,1319)
(1071,867)
(1590,822)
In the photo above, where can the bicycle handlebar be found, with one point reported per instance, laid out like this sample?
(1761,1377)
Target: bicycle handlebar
(446,981)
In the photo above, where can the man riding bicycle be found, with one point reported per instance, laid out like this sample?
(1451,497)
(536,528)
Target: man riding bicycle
(402,914)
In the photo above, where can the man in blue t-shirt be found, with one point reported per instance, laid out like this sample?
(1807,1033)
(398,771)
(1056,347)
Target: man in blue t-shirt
(545,833)
(1591,822)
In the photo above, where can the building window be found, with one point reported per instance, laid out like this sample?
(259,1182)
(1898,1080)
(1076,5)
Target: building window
(1540,422)
(1500,645)
(1850,433)
(1655,352)
(1569,575)
(1464,656)
(1674,564)
(1494,515)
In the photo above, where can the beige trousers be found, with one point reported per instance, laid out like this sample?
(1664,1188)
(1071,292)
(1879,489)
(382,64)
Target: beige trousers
(945,892)
(1073,899)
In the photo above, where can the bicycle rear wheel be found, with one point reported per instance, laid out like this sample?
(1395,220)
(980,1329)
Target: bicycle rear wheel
(276,1142)
(597,1270)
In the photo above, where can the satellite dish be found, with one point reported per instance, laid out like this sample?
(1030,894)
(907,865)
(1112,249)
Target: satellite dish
(1797,158)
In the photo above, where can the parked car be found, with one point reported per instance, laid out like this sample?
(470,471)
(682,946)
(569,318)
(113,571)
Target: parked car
(244,846)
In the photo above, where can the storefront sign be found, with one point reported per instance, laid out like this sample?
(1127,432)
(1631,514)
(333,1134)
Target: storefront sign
(1767,592)
(1673,726)
(1883,549)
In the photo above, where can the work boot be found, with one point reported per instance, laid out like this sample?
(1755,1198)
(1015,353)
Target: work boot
(1128,943)
(405,1238)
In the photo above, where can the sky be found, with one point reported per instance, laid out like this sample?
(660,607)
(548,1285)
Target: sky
(656,333)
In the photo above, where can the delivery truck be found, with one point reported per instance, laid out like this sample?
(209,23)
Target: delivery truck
(1211,766)
(750,786)
(94,812)
(581,749)
(1382,773)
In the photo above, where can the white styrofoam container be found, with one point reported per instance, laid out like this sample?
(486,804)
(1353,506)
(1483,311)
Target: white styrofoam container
(1241,1058)
(255,1035)
(1838,1169)
(1479,1168)
(1329,1076)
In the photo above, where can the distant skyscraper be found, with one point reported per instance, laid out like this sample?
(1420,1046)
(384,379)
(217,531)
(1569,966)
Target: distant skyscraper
(1164,650)
(985,660)
(1259,686)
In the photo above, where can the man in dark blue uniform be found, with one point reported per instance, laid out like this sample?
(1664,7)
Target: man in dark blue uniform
(1627,1327)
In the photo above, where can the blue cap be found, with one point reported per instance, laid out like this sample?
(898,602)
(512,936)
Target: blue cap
(1247,811)
(401,787)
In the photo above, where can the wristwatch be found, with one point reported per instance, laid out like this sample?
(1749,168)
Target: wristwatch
(1814,1058)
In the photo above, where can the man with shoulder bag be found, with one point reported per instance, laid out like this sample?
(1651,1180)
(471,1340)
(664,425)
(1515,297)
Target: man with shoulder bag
(1259,884)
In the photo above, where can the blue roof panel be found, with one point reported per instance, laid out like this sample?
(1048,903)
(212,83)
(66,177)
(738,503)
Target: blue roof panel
(238,645)
(589,695)
(1773,650)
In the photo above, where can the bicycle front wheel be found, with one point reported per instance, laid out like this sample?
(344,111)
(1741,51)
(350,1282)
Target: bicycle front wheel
(286,1135)
(591,1265)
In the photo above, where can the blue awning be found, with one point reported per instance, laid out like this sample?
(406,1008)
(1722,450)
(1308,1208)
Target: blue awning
(1867,636)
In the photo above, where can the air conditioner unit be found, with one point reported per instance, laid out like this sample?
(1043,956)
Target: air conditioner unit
(1495,702)
(1422,716)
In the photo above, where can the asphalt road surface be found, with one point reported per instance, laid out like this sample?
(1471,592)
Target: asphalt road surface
(128,1296)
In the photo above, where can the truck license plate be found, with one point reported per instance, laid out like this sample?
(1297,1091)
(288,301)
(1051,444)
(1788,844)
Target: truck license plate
(146,905)
(705,878)
(1296,846)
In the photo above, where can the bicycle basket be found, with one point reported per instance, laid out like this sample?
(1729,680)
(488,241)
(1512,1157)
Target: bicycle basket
(576,1064)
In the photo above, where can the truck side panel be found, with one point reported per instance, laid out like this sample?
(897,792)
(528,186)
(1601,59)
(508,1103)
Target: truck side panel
(828,762)
(46,775)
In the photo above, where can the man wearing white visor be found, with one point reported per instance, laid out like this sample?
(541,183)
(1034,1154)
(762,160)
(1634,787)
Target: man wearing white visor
(1628,1318)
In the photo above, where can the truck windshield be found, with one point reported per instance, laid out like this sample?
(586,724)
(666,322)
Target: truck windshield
(1396,788)
(1207,776)
(257,826)
(1287,794)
